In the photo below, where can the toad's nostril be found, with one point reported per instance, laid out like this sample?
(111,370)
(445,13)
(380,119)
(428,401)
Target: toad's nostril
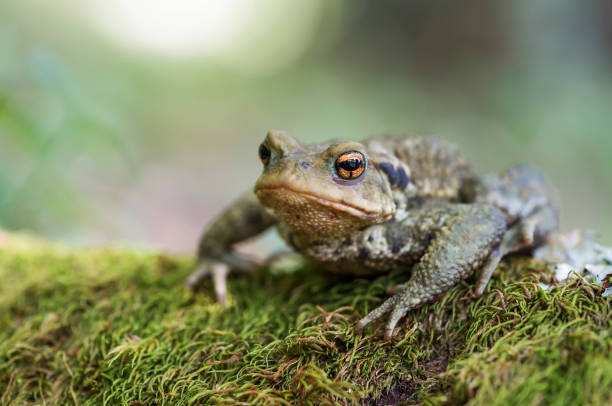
(305,165)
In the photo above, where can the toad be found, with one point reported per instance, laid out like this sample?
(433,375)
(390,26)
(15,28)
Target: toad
(366,208)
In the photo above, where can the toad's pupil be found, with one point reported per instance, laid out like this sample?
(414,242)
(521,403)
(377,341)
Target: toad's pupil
(264,152)
(351,164)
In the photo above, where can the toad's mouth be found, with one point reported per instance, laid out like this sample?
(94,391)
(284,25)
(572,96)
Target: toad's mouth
(334,204)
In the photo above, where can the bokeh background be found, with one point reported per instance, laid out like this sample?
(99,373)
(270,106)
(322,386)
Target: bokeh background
(136,121)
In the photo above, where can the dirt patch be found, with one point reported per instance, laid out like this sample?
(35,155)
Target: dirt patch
(400,392)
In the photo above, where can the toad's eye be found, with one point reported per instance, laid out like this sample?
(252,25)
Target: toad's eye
(350,164)
(264,153)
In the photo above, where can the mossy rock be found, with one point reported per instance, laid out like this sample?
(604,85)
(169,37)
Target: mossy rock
(116,327)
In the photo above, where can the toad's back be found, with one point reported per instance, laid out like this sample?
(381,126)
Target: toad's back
(437,167)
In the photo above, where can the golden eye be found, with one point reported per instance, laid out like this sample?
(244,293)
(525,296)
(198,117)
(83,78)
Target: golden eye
(264,153)
(350,164)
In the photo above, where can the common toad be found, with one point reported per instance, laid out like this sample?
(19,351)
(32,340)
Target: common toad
(387,202)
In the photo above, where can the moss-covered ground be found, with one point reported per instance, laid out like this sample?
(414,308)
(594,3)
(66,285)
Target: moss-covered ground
(116,327)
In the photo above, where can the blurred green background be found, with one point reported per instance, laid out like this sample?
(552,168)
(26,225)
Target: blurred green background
(137,121)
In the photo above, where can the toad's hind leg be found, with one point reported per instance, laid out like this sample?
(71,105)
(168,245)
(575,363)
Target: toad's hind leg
(466,237)
(528,200)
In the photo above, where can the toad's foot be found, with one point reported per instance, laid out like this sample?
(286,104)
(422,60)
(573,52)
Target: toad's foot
(219,271)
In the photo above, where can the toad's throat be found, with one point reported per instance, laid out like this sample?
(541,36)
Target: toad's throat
(334,204)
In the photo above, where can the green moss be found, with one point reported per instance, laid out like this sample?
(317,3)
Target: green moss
(116,327)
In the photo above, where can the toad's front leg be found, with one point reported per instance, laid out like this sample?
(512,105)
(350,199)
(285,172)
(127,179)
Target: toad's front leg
(244,219)
(464,238)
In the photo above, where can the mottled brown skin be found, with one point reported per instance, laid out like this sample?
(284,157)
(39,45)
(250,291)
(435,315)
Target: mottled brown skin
(415,204)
